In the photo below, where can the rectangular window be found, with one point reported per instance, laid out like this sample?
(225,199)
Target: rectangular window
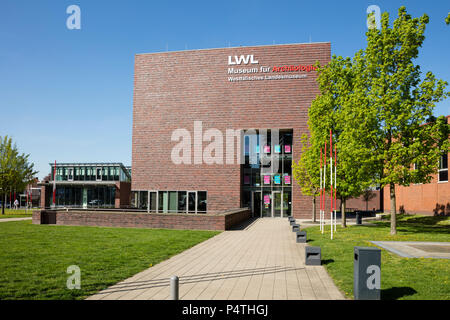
(143,199)
(163,202)
(201,201)
(153,198)
(173,195)
(443,168)
(182,200)
(70,174)
(191,201)
(99,174)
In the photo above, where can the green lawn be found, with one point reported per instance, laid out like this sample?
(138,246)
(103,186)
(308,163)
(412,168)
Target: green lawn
(34,258)
(401,278)
(19,213)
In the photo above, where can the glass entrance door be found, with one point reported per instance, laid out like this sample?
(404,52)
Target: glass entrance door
(286,203)
(277,210)
(267,204)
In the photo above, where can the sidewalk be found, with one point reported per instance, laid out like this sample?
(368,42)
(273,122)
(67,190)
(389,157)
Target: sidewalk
(15,219)
(262,261)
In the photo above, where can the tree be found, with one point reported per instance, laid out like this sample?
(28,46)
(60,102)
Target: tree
(15,171)
(393,104)
(447,20)
(367,196)
(305,172)
(329,111)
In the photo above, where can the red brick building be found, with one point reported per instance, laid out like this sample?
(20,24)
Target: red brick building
(196,98)
(430,198)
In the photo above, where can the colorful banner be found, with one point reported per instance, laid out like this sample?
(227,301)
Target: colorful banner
(267,149)
(287,179)
(277,179)
(287,148)
(257,149)
(277,148)
(266,179)
(266,199)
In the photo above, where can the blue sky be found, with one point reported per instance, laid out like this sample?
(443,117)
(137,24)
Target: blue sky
(67,95)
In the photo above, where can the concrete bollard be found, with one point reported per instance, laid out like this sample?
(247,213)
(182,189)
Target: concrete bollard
(295,227)
(300,237)
(313,256)
(174,290)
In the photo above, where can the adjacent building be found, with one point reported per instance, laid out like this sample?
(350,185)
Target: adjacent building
(430,198)
(87,185)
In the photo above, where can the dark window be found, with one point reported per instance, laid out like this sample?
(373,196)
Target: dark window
(201,201)
(182,197)
(443,168)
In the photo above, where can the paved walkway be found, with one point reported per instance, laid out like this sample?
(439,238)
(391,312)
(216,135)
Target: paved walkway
(417,249)
(262,261)
(14,219)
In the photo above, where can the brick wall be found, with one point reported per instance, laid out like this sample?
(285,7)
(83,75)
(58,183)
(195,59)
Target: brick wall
(222,221)
(174,89)
(421,198)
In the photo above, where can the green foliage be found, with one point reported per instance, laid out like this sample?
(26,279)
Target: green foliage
(329,111)
(447,20)
(15,171)
(305,170)
(394,104)
(381,111)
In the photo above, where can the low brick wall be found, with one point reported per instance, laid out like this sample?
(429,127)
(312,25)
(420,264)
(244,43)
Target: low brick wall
(220,221)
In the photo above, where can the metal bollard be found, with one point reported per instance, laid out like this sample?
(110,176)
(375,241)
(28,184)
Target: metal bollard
(174,281)
(367,273)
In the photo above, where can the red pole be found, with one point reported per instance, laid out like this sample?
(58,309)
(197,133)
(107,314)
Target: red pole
(325,174)
(335,167)
(331,170)
(320,188)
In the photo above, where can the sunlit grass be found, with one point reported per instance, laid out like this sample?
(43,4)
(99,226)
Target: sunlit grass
(401,278)
(34,258)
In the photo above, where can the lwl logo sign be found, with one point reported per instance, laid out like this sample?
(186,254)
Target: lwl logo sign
(242,59)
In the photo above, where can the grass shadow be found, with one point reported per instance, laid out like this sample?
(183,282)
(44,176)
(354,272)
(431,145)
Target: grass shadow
(327,261)
(396,293)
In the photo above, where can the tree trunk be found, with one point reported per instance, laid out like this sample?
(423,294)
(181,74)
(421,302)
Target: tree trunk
(343,219)
(393,209)
(3,205)
(314,209)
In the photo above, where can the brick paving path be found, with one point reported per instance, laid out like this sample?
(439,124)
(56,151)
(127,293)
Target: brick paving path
(262,261)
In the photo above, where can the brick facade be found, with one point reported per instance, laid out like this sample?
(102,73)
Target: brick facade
(420,198)
(174,89)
